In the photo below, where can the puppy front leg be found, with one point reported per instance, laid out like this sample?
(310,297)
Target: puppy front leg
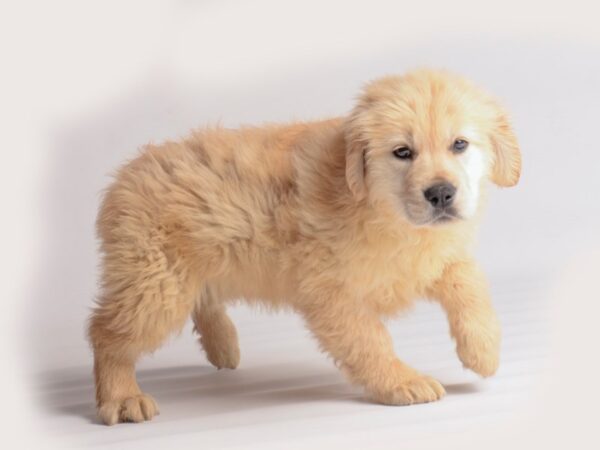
(463,293)
(362,347)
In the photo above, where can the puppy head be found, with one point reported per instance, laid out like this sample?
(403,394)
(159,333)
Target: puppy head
(424,143)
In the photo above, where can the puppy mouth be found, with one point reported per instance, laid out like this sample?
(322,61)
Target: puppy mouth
(443,216)
(433,217)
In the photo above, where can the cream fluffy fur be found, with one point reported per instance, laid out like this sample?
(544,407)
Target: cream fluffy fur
(320,217)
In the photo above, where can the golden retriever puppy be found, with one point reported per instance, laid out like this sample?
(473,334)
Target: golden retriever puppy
(346,221)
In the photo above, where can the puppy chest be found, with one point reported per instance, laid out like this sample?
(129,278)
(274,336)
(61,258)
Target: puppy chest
(397,281)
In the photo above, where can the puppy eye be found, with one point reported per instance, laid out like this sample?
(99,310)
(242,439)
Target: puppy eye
(403,153)
(459,146)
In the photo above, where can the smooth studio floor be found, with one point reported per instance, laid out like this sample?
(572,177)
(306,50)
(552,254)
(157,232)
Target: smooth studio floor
(286,394)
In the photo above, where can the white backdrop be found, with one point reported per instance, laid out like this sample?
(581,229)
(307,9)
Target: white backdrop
(84,85)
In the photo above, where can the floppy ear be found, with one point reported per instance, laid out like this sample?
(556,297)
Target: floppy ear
(356,147)
(355,170)
(507,155)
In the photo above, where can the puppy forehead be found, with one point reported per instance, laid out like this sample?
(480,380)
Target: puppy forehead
(424,110)
(425,126)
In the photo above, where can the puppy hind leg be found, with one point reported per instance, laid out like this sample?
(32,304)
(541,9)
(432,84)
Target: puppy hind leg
(126,324)
(218,336)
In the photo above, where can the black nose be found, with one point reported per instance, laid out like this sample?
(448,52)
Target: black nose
(440,195)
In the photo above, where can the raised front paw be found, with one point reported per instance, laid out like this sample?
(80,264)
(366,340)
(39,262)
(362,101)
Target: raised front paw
(131,409)
(418,389)
(480,351)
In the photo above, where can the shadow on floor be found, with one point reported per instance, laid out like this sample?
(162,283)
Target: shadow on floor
(207,391)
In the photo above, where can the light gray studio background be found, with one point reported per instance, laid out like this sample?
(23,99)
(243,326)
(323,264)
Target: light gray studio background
(90,84)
